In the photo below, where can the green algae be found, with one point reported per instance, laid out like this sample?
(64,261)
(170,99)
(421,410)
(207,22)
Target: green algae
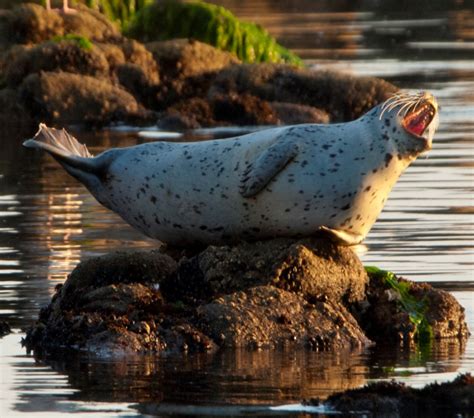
(211,24)
(121,11)
(81,41)
(415,308)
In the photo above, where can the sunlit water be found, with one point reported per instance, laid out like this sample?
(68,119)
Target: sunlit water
(48,223)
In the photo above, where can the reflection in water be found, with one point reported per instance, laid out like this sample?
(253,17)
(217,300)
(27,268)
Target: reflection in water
(238,377)
(48,222)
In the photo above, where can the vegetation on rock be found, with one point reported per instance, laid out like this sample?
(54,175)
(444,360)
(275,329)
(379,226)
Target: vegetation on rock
(121,11)
(208,23)
(416,309)
(81,41)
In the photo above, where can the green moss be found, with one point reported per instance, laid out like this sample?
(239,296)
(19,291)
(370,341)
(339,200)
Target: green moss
(82,41)
(208,23)
(416,309)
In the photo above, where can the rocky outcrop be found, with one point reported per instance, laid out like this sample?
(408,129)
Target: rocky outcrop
(179,84)
(307,293)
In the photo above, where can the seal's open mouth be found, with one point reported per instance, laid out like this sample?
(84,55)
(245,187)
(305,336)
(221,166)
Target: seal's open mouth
(417,121)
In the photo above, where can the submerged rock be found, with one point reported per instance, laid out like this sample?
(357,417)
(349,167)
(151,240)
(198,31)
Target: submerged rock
(396,400)
(4,328)
(300,292)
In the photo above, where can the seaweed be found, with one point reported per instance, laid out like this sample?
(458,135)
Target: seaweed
(211,24)
(415,308)
(81,41)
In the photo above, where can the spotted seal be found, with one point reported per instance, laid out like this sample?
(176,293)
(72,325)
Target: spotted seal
(285,181)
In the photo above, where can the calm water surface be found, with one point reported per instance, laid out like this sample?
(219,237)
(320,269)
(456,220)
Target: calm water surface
(48,223)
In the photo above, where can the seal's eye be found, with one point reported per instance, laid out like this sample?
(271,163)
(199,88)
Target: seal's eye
(417,120)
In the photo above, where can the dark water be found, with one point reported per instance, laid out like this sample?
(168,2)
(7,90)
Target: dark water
(48,223)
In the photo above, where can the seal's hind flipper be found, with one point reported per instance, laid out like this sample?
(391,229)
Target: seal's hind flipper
(65,149)
(259,173)
(342,237)
(57,142)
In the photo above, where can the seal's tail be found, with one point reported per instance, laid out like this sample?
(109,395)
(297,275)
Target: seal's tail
(64,148)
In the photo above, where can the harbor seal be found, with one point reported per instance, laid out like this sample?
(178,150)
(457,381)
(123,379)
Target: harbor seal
(285,181)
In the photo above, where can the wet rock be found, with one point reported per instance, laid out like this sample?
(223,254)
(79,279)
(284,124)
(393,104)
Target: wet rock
(188,114)
(384,319)
(293,114)
(4,328)
(396,400)
(13,116)
(344,97)
(243,109)
(265,316)
(186,57)
(315,268)
(147,268)
(305,292)
(66,98)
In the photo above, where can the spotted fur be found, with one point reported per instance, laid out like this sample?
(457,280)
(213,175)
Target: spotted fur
(287,181)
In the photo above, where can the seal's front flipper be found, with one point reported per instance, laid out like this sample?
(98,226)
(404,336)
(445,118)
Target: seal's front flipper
(259,173)
(342,237)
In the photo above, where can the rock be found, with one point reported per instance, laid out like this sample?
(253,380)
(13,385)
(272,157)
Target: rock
(138,82)
(304,292)
(91,24)
(243,109)
(384,320)
(65,56)
(188,114)
(293,114)
(116,268)
(65,98)
(14,117)
(189,58)
(28,24)
(265,316)
(4,328)
(310,267)
(344,97)
(31,23)
(392,399)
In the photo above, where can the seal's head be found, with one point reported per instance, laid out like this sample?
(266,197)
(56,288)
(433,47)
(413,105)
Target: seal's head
(410,120)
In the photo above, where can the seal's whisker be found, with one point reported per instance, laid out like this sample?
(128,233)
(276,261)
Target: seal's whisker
(405,108)
(406,102)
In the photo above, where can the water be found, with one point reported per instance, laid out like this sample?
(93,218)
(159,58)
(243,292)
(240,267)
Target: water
(48,223)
